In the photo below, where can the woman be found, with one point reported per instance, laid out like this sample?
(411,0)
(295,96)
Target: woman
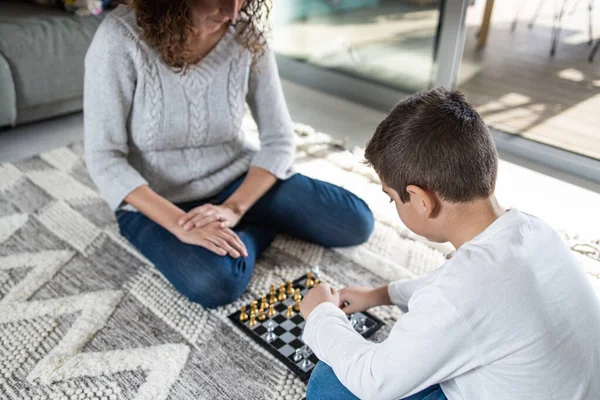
(165,86)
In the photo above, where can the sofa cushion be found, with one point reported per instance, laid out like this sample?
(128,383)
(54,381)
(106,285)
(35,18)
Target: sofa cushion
(45,49)
(8,102)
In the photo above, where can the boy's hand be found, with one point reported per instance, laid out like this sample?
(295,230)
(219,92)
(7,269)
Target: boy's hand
(357,298)
(319,294)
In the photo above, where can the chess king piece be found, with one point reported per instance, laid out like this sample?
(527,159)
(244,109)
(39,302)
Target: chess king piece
(290,312)
(282,295)
(271,311)
(270,332)
(309,280)
(290,288)
(261,314)
(252,320)
(243,315)
(297,305)
(306,352)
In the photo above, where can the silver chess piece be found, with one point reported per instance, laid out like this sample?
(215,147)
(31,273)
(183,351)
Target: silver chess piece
(316,271)
(297,355)
(306,352)
(270,334)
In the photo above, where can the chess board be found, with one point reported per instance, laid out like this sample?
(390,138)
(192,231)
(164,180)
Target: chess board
(285,342)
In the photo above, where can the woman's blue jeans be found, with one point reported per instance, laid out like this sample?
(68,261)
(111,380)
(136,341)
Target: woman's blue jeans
(302,207)
(324,385)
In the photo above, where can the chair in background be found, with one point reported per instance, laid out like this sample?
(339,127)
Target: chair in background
(560,12)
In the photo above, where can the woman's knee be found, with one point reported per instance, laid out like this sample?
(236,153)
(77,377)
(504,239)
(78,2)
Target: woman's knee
(363,223)
(216,285)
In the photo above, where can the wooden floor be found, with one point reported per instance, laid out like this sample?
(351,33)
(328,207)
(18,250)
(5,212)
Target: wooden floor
(520,89)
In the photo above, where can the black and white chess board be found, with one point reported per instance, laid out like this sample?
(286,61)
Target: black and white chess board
(282,335)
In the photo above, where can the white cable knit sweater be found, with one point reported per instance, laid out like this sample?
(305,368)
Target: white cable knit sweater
(180,134)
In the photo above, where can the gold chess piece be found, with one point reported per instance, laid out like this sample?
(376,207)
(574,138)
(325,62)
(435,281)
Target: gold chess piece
(290,288)
(243,315)
(253,308)
(252,320)
(290,312)
(272,296)
(271,311)
(297,306)
(297,295)
(261,315)
(309,280)
(316,282)
(263,301)
(282,295)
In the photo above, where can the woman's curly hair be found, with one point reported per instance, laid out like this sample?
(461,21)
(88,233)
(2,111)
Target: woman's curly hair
(167,25)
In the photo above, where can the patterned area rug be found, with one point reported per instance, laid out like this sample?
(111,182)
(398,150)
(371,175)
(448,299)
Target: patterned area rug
(84,316)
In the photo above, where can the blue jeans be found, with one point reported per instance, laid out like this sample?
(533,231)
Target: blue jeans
(302,207)
(324,385)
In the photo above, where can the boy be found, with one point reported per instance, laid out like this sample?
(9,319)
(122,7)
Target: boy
(510,314)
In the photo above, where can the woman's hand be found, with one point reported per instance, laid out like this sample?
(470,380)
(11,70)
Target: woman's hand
(207,214)
(213,237)
(357,298)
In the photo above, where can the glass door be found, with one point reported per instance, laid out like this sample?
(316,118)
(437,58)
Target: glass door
(388,42)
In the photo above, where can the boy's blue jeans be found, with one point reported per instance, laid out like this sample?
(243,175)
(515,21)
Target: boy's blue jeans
(324,385)
(302,207)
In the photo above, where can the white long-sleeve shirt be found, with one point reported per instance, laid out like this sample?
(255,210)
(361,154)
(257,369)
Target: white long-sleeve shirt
(510,315)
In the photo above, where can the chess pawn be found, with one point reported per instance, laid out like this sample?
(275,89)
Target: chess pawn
(297,306)
(253,308)
(270,332)
(290,288)
(297,295)
(282,295)
(261,315)
(272,299)
(309,280)
(316,282)
(243,315)
(252,320)
(272,289)
(297,355)
(271,311)
(263,301)
(290,312)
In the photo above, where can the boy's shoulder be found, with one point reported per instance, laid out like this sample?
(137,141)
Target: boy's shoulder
(514,247)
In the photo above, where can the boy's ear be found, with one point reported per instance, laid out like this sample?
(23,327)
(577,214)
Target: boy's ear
(423,200)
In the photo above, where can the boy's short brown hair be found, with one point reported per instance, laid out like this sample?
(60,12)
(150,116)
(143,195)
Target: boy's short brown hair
(435,140)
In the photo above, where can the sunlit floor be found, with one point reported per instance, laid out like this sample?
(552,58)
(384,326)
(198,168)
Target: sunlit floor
(513,81)
(519,88)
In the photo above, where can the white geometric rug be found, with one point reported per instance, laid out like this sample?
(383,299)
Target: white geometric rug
(84,316)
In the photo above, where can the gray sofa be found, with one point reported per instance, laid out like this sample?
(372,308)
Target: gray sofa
(41,61)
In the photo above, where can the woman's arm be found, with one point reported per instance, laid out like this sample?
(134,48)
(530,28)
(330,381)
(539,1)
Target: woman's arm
(269,109)
(255,185)
(214,237)
(109,86)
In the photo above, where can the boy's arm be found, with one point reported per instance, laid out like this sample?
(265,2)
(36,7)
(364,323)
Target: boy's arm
(428,345)
(401,291)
